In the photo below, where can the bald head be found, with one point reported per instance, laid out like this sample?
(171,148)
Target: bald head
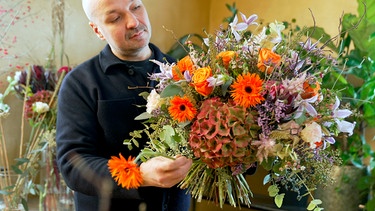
(89,7)
(124,24)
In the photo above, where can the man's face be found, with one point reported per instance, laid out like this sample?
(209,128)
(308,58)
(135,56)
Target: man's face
(124,24)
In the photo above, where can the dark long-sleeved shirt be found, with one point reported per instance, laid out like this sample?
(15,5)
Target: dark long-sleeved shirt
(97,104)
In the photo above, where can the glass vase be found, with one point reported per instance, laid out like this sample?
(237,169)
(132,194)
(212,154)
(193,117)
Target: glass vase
(8,183)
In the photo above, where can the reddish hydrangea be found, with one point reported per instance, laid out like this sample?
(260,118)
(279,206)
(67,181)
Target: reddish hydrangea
(222,134)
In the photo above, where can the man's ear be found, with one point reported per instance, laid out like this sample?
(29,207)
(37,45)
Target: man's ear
(96,30)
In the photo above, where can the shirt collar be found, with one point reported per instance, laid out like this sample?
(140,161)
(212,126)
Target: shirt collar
(108,59)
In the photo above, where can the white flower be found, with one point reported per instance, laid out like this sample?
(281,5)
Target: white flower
(312,134)
(338,115)
(216,80)
(153,101)
(4,109)
(275,32)
(40,107)
(17,76)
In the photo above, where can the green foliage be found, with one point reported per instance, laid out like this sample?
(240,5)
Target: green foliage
(357,84)
(181,47)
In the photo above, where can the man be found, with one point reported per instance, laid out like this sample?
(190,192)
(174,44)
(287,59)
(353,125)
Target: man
(96,109)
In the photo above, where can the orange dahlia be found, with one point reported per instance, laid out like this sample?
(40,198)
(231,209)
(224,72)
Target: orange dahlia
(246,90)
(125,172)
(181,109)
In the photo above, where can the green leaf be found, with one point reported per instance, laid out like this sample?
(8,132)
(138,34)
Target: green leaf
(144,95)
(313,204)
(267,164)
(24,204)
(143,116)
(318,33)
(279,200)
(273,190)
(171,90)
(167,134)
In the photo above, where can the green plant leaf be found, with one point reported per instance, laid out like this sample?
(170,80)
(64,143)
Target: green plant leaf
(279,199)
(311,206)
(318,33)
(273,190)
(167,135)
(143,116)
(171,90)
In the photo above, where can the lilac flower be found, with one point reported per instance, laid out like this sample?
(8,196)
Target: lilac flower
(250,20)
(236,27)
(308,46)
(295,62)
(165,71)
(305,105)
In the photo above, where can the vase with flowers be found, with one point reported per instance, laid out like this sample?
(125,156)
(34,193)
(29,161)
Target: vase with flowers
(38,88)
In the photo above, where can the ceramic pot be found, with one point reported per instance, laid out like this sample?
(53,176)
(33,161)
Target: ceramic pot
(343,194)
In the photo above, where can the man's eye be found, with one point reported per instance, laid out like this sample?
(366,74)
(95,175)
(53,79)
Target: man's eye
(137,7)
(115,19)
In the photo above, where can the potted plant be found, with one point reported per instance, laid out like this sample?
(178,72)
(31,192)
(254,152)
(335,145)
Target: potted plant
(357,85)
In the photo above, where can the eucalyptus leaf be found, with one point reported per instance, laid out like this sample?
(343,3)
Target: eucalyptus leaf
(167,134)
(171,90)
(143,116)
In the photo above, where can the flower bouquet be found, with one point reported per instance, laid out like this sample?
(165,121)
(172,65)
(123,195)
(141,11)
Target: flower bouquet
(253,99)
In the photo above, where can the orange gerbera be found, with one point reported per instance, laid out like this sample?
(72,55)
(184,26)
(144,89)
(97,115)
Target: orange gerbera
(125,172)
(246,90)
(184,64)
(181,109)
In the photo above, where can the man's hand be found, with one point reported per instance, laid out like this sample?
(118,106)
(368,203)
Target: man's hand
(164,172)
